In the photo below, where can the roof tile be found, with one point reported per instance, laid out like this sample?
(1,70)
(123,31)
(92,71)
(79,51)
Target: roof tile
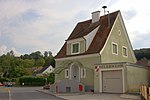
(84,28)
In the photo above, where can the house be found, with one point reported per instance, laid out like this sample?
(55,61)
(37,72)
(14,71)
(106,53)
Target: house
(45,70)
(144,62)
(98,57)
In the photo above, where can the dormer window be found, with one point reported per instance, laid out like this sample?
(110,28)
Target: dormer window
(75,48)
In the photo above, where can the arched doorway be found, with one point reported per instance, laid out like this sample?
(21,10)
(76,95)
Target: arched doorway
(75,72)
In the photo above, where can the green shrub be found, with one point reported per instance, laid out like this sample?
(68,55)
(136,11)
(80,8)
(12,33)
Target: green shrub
(32,81)
(4,80)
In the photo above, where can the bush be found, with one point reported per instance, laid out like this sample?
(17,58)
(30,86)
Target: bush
(32,81)
(4,80)
(51,78)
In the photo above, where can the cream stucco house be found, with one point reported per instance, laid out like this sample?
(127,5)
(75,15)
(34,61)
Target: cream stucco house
(98,57)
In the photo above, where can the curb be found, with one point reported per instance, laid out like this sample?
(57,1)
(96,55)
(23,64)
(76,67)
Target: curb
(50,94)
(129,96)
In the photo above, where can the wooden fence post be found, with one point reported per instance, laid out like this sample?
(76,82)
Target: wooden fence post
(145,92)
(149,93)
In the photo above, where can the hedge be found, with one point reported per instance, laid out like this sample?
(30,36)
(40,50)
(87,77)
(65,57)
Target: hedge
(32,81)
(4,80)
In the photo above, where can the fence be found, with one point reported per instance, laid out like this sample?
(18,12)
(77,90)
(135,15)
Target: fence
(145,92)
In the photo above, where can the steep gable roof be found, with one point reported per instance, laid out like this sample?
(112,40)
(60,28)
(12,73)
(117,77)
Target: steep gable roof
(84,28)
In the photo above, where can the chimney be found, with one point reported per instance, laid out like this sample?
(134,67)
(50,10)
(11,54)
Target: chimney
(95,16)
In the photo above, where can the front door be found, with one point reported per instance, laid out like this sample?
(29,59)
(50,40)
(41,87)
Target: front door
(75,71)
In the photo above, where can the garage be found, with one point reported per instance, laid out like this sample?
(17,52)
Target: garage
(112,81)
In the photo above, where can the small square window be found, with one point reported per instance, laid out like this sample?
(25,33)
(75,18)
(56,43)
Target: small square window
(75,48)
(124,51)
(114,48)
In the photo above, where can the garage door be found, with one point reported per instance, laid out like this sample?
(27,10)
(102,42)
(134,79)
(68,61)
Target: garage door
(112,81)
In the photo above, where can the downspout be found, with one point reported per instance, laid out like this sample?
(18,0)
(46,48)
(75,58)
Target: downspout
(84,43)
(100,58)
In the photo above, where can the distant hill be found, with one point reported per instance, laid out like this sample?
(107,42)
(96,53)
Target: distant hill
(143,53)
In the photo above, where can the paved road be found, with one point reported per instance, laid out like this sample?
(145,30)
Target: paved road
(4,93)
(24,93)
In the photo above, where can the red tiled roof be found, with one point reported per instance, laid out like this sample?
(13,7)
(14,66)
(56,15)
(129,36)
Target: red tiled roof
(85,27)
(145,63)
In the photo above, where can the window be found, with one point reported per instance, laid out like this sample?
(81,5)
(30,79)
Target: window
(124,51)
(66,73)
(75,48)
(119,32)
(83,72)
(114,48)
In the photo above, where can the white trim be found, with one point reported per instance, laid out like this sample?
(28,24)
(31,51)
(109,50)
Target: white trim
(77,57)
(67,71)
(112,48)
(124,47)
(109,35)
(83,70)
(119,32)
(72,53)
(71,72)
(89,37)
(74,40)
(109,69)
(127,37)
(79,74)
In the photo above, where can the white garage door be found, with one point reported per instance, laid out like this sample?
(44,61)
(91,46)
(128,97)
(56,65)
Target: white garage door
(112,81)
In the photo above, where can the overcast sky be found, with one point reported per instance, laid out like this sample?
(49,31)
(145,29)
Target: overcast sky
(27,26)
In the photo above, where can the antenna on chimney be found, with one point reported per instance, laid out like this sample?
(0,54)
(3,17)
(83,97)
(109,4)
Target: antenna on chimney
(104,7)
(108,19)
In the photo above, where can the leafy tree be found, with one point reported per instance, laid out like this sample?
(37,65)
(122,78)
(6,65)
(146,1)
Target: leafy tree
(51,78)
(26,56)
(49,61)
(39,62)
(28,63)
(45,54)
(142,53)
(36,55)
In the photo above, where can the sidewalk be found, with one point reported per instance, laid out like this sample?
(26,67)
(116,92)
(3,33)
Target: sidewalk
(90,96)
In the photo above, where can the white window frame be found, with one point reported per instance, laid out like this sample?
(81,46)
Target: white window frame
(67,70)
(124,47)
(83,70)
(113,43)
(119,32)
(72,48)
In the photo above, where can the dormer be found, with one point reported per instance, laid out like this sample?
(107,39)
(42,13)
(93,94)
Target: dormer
(75,46)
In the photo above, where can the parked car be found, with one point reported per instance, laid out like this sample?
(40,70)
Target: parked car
(8,84)
(46,86)
(1,84)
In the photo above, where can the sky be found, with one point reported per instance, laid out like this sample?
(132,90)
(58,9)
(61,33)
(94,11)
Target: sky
(27,26)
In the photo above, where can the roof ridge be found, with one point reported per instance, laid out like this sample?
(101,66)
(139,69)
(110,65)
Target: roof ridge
(85,27)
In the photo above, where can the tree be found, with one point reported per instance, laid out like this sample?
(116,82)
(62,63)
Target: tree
(50,61)
(142,53)
(51,78)
(45,54)
(28,63)
(39,62)
(36,55)
(6,64)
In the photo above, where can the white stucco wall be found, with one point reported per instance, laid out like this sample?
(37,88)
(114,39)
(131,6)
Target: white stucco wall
(136,76)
